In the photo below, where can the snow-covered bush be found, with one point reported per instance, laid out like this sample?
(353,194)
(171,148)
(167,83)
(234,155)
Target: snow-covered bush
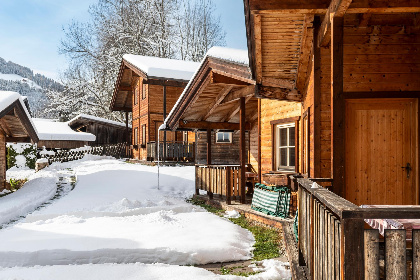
(21,155)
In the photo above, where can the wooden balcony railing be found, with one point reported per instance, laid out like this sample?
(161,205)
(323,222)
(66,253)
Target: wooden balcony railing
(173,151)
(334,243)
(219,179)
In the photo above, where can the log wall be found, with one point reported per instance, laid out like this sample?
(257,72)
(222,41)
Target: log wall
(2,161)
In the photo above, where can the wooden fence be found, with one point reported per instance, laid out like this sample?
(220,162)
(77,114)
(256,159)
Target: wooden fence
(115,150)
(174,151)
(219,179)
(334,243)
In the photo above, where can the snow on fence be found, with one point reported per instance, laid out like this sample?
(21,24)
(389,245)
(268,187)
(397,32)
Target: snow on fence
(114,150)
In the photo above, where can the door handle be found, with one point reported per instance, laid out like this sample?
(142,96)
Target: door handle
(407,169)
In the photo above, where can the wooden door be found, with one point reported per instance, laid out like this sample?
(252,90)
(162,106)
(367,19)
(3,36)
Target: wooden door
(381,139)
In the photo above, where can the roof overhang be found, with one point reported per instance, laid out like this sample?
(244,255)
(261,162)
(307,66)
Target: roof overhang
(211,99)
(123,89)
(282,66)
(16,124)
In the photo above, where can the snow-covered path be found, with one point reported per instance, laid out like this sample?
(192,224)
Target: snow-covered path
(115,220)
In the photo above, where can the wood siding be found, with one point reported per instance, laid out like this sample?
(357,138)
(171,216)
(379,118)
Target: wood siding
(221,153)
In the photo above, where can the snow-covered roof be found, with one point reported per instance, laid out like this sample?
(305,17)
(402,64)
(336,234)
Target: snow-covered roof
(98,119)
(51,130)
(229,54)
(9,97)
(163,67)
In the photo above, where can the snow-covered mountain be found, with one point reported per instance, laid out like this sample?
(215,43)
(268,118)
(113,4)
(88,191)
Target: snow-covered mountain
(35,87)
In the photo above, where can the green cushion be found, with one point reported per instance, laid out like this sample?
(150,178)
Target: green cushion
(270,200)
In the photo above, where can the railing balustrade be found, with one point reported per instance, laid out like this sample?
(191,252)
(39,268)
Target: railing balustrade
(175,151)
(219,179)
(334,244)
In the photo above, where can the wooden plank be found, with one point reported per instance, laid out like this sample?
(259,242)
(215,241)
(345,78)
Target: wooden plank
(210,125)
(352,265)
(317,100)
(395,254)
(258,48)
(225,91)
(337,106)
(416,253)
(337,8)
(371,237)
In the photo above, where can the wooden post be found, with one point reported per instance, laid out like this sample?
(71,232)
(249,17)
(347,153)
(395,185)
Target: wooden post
(352,249)
(317,100)
(337,106)
(127,147)
(210,194)
(228,185)
(242,150)
(259,141)
(164,117)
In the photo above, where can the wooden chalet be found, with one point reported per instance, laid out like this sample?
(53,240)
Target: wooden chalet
(59,135)
(106,131)
(15,126)
(149,87)
(354,68)
(219,103)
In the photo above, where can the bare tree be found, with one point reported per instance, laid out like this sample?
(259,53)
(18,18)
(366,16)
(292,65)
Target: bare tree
(163,28)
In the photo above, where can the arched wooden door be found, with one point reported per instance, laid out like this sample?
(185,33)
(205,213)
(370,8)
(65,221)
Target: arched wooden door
(381,151)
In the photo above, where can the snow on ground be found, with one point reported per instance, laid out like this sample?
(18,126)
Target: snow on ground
(116,214)
(274,270)
(15,77)
(117,224)
(40,188)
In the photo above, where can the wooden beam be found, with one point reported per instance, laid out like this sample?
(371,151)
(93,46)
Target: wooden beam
(210,125)
(275,82)
(304,5)
(209,193)
(235,95)
(364,19)
(125,88)
(258,48)
(5,128)
(235,110)
(225,91)
(242,148)
(18,139)
(219,77)
(337,107)
(165,82)
(337,8)
(278,93)
(305,53)
(316,64)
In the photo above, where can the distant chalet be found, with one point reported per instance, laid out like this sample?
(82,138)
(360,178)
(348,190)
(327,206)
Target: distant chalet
(149,87)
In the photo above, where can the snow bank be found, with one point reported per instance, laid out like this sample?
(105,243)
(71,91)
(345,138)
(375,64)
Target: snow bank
(274,271)
(40,188)
(116,214)
(51,130)
(163,67)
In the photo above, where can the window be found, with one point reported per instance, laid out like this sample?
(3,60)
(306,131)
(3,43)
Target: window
(285,142)
(143,134)
(144,92)
(224,137)
(136,136)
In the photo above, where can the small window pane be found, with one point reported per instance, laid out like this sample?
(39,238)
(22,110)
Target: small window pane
(223,137)
(283,137)
(283,156)
(291,156)
(291,136)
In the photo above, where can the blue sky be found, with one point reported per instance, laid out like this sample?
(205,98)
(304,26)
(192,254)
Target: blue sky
(31,30)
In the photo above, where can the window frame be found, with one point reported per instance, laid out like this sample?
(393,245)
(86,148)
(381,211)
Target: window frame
(306,166)
(144,91)
(274,137)
(230,137)
(136,135)
(287,147)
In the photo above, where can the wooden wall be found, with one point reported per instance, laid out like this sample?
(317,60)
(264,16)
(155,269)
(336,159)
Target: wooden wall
(61,144)
(271,110)
(149,112)
(221,153)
